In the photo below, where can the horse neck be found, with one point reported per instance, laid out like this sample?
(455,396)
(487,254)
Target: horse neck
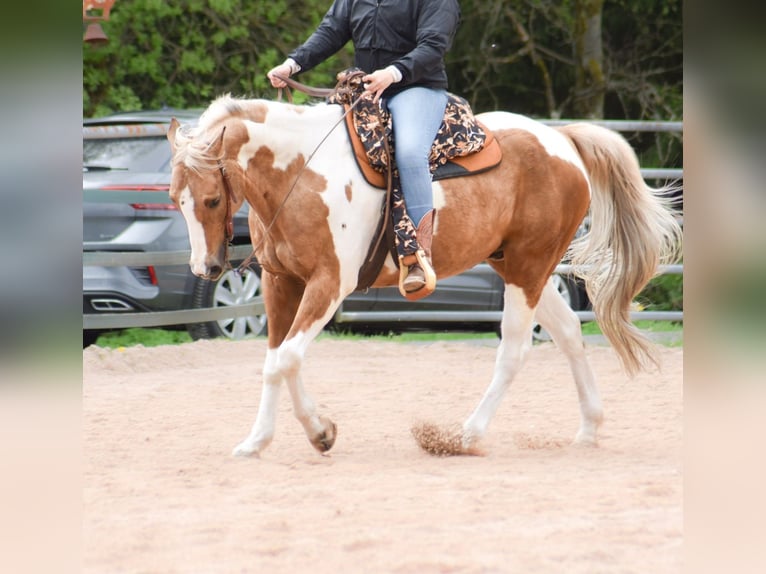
(305,121)
(288,154)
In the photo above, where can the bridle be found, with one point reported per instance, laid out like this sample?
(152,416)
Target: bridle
(228,229)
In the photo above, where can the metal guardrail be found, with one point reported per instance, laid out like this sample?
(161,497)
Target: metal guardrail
(160,318)
(495,316)
(624,125)
(255,307)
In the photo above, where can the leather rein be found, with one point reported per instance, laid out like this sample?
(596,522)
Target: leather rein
(228,230)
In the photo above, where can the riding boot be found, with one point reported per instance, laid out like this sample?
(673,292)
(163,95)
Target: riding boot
(417,278)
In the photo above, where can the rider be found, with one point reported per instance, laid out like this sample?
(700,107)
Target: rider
(400,45)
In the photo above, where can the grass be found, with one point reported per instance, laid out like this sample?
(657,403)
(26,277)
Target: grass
(409,336)
(592,328)
(145,337)
(155,337)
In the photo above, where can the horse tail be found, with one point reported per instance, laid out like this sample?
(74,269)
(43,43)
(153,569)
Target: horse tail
(633,230)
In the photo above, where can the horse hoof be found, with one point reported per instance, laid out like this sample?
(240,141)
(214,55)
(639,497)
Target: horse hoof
(585,440)
(244,449)
(326,439)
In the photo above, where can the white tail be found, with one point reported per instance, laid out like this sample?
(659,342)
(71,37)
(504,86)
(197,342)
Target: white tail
(633,230)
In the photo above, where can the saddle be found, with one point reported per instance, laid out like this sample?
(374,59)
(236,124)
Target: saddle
(463,145)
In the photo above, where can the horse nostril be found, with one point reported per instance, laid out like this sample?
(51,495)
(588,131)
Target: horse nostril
(215,271)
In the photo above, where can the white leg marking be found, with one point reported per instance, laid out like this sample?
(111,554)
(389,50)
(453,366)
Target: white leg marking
(291,354)
(511,353)
(562,323)
(196,233)
(263,429)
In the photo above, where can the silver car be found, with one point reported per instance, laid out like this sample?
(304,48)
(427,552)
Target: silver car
(126,176)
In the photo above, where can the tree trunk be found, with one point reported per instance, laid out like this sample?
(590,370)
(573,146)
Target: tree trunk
(590,84)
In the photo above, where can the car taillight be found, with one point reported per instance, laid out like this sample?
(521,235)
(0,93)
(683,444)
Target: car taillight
(147,275)
(142,187)
(167,206)
(138,187)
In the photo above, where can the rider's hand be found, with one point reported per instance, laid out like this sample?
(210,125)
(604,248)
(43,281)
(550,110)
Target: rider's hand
(284,70)
(377,82)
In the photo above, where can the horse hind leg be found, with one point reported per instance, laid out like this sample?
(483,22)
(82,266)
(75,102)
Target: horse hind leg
(515,343)
(562,323)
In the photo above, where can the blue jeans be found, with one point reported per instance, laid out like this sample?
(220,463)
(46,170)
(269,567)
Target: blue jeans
(417,114)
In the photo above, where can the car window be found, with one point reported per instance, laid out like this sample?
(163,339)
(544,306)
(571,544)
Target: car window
(145,154)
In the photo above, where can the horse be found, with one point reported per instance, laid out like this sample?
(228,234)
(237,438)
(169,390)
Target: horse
(313,216)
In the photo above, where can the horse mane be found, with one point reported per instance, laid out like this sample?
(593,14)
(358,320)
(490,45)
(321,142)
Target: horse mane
(193,143)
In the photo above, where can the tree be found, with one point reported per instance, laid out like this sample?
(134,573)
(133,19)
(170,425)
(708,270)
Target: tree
(590,83)
(544,58)
(571,58)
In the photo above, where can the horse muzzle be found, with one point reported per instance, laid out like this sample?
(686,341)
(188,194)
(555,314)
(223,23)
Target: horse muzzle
(211,268)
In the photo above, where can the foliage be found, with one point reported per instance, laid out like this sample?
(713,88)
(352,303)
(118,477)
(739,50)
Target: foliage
(520,55)
(508,54)
(663,293)
(185,54)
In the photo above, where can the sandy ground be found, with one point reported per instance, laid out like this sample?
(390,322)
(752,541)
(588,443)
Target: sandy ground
(163,494)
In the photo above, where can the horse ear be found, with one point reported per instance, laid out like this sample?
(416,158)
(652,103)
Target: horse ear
(172,128)
(216,146)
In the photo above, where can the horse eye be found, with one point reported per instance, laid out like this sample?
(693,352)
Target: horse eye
(214,202)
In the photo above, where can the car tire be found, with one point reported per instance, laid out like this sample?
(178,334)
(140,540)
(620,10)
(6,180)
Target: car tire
(572,293)
(89,338)
(231,289)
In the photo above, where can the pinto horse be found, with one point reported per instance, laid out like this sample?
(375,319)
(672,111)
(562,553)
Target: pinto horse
(313,217)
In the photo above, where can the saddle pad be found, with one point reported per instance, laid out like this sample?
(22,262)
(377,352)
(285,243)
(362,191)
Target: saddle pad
(483,160)
(463,145)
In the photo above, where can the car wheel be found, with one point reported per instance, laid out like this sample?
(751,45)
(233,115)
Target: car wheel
(570,291)
(231,289)
(89,337)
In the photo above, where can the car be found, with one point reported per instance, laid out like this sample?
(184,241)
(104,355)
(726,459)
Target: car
(126,208)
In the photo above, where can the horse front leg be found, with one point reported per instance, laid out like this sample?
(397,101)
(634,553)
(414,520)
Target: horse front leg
(265,422)
(315,310)
(281,298)
(312,309)
(320,430)
(562,323)
(515,343)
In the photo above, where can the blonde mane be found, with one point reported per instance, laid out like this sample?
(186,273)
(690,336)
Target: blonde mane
(193,143)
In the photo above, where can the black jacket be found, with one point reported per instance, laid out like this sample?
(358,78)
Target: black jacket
(413,35)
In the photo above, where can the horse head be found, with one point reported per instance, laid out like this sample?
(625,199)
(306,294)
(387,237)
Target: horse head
(202,188)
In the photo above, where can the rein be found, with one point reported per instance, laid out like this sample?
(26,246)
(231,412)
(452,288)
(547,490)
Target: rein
(316,92)
(229,220)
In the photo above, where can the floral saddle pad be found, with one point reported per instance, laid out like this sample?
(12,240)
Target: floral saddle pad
(463,145)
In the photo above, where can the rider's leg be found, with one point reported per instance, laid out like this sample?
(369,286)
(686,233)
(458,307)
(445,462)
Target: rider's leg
(417,114)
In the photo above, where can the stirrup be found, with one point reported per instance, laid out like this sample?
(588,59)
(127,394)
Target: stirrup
(420,258)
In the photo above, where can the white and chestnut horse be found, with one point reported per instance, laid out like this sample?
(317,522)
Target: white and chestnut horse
(312,224)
